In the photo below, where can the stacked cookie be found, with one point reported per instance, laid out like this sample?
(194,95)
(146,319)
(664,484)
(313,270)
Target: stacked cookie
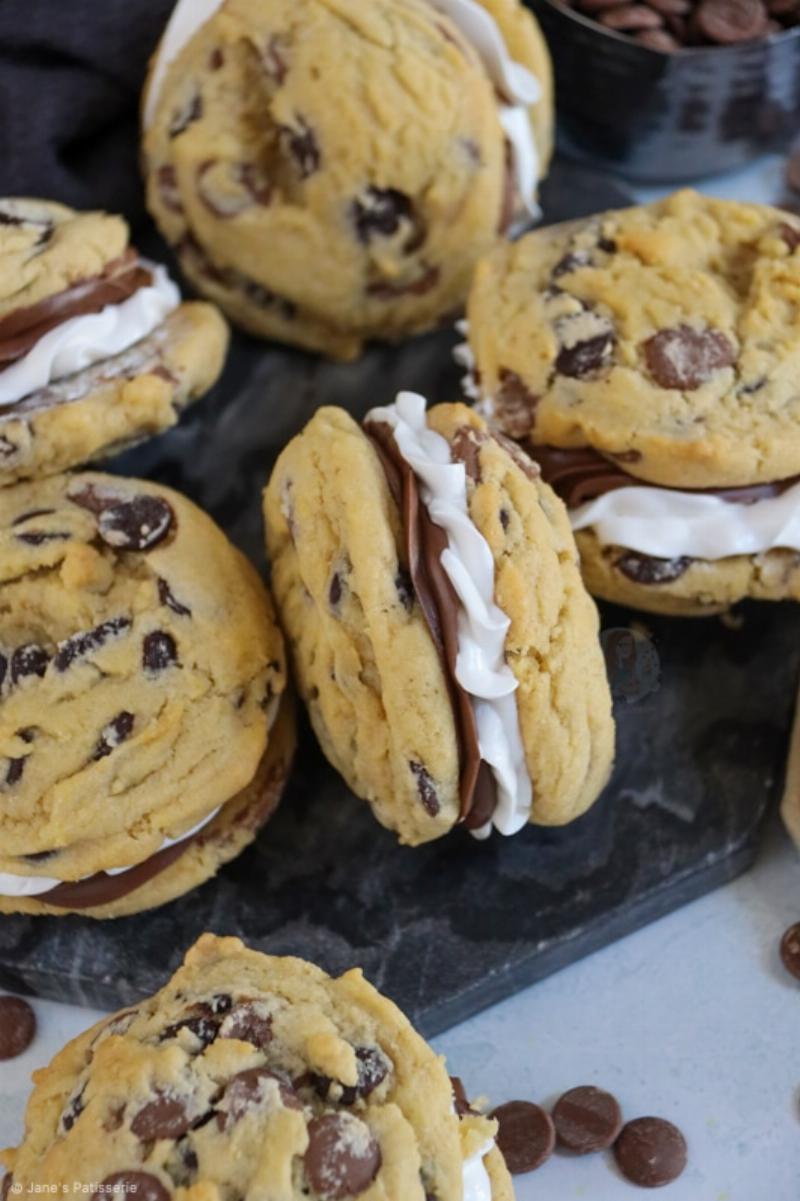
(427,580)
(440,131)
(249,1074)
(143,736)
(648,359)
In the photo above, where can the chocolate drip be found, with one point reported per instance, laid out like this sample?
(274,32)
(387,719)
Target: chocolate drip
(22,328)
(583,474)
(424,543)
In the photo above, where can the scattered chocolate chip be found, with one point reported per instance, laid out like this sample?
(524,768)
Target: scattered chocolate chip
(73,1111)
(790,950)
(247,1089)
(570,262)
(466,448)
(505,519)
(190,111)
(89,641)
(373,1068)
(526,1135)
(343,1157)
(5,1186)
(646,569)
(790,235)
(514,405)
(28,660)
(17,1027)
(586,358)
(460,1098)
(651,1152)
(685,358)
(167,598)
(380,212)
(425,788)
(403,586)
(247,1024)
(587,1119)
(39,537)
(221,1002)
(335,591)
(165,1117)
(28,733)
(137,524)
(300,142)
(135,1186)
(216,59)
(116,732)
(167,180)
(159,651)
(15,769)
(201,1022)
(8,449)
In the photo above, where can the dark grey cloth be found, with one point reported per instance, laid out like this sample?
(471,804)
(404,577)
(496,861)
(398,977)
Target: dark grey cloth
(71,74)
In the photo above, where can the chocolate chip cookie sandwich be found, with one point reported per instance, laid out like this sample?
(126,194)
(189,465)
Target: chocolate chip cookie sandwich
(254,1075)
(96,349)
(648,359)
(144,738)
(428,582)
(440,131)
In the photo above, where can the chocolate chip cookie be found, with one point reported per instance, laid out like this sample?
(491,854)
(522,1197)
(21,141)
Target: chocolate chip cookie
(665,337)
(331,174)
(428,582)
(249,1073)
(141,672)
(96,349)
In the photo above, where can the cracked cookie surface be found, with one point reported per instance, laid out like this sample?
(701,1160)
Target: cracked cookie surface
(365,661)
(250,1075)
(392,192)
(665,336)
(140,670)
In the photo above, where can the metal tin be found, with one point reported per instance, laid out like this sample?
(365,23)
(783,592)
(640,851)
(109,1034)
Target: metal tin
(667,118)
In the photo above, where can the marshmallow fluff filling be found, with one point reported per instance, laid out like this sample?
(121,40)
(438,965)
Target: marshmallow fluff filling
(517,87)
(481,669)
(477,1185)
(79,342)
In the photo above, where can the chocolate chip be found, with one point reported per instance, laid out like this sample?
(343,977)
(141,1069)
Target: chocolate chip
(646,569)
(135,1186)
(167,180)
(373,1068)
(300,142)
(587,357)
(587,1119)
(116,732)
(3,668)
(526,1135)
(505,519)
(165,1117)
(17,1027)
(15,769)
(216,59)
(28,660)
(403,586)
(202,1022)
(343,1158)
(73,1111)
(570,262)
(190,111)
(790,235)
(380,212)
(790,950)
(460,1098)
(247,1024)
(335,591)
(425,788)
(137,524)
(685,358)
(39,537)
(221,1002)
(651,1152)
(8,449)
(89,641)
(730,21)
(247,1089)
(466,448)
(167,598)
(159,651)
(5,1186)
(514,405)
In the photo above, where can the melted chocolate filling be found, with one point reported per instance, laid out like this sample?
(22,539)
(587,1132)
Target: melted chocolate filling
(424,543)
(22,328)
(583,474)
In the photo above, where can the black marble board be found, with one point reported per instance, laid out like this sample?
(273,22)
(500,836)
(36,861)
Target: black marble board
(704,709)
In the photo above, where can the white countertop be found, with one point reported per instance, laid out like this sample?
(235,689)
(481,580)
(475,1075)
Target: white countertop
(693,1019)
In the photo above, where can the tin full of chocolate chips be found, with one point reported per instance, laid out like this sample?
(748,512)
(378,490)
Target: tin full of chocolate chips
(643,100)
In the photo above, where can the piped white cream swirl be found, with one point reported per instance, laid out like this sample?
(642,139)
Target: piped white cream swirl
(518,87)
(481,669)
(670,524)
(80,342)
(477,1184)
(12,885)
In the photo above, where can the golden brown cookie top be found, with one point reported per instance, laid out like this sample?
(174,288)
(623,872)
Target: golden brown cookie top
(665,336)
(248,1072)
